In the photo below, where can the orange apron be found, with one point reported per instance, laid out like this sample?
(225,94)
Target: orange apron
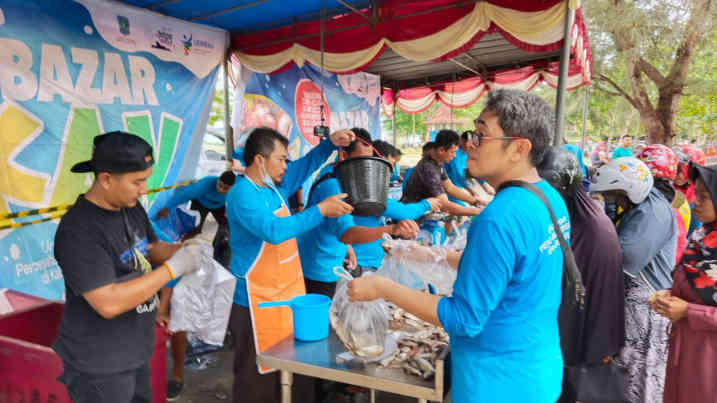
(275,276)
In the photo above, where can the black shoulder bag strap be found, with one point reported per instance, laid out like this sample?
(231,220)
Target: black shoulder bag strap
(572,279)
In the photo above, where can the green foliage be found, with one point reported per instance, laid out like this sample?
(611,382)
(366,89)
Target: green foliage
(217,112)
(655,27)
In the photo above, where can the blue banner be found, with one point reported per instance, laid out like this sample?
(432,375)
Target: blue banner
(70,70)
(290,102)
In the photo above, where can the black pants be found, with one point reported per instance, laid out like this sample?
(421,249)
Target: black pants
(222,253)
(219,214)
(249,385)
(320,287)
(124,387)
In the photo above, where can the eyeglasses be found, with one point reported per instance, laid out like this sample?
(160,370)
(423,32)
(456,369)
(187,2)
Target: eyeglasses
(476,138)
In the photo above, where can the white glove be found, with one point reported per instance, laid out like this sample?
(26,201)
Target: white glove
(185,259)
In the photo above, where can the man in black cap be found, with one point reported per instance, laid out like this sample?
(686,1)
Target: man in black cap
(106,248)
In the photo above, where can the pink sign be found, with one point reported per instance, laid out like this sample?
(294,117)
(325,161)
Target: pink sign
(307,106)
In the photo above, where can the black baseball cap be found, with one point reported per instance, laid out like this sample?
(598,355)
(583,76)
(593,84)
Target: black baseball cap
(117,152)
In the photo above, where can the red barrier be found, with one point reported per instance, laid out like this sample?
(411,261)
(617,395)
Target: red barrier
(29,367)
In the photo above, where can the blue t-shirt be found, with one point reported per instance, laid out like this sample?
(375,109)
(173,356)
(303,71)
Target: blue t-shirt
(503,314)
(456,169)
(204,191)
(621,152)
(238,155)
(396,175)
(456,173)
(371,254)
(250,212)
(321,248)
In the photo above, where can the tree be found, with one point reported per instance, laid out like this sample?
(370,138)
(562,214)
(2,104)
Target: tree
(643,53)
(216,114)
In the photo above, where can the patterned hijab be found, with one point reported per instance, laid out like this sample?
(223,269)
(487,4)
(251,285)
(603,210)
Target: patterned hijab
(700,258)
(700,263)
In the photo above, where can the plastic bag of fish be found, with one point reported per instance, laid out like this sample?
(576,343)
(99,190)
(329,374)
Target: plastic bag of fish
(361,326)
(416,266)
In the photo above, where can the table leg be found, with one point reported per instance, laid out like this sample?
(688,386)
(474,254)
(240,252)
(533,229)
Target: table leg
(372,395)
(422,401)
(286,379)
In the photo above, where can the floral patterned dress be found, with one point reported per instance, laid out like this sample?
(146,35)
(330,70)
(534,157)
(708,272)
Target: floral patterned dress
(645,352)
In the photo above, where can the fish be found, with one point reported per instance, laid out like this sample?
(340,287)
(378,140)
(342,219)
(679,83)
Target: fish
(419,344)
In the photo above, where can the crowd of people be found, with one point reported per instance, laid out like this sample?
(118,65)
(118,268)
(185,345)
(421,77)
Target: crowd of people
(640,228)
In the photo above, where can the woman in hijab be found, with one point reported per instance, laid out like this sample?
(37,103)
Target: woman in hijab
(691,303)
(593,337)
(586,172)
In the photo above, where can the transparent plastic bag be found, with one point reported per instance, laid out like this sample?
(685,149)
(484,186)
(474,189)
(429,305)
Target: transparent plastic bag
(202,300)
(361,326)
(393,268)
(407,260)
(479,191)
(457,237)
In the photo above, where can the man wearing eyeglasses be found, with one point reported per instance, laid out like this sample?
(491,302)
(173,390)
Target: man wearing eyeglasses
(429,178)
(502,316)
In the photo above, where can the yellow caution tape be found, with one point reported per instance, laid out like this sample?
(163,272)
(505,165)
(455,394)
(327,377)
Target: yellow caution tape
(22,224)
(26,213)
(176,185)
(62,209)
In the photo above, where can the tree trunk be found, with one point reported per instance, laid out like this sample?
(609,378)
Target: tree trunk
(659,120)
(655,131)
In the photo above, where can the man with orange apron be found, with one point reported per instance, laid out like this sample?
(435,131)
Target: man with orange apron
(264,255)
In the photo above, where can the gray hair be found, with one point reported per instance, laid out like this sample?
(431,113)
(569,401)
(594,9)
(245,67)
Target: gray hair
(522,114)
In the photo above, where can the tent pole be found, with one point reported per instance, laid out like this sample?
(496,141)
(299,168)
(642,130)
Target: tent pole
(228,131)
(563,75)
(393,125)
(585,117)
(393,118)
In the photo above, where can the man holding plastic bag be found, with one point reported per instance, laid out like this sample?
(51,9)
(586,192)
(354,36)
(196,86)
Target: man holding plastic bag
(264,255)
(105,247)
(502,316)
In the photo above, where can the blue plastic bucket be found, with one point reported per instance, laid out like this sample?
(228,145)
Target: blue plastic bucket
(311,315)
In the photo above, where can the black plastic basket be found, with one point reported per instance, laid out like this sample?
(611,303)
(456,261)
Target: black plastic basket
(365,180)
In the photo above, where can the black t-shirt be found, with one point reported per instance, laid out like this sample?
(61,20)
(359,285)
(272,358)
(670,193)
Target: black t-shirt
(93,249)
(426,180)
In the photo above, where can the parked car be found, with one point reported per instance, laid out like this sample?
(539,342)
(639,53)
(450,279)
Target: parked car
(212,158)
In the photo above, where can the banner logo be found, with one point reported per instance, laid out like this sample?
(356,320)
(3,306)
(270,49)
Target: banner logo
(164,40)
(187,42)
(123,24)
